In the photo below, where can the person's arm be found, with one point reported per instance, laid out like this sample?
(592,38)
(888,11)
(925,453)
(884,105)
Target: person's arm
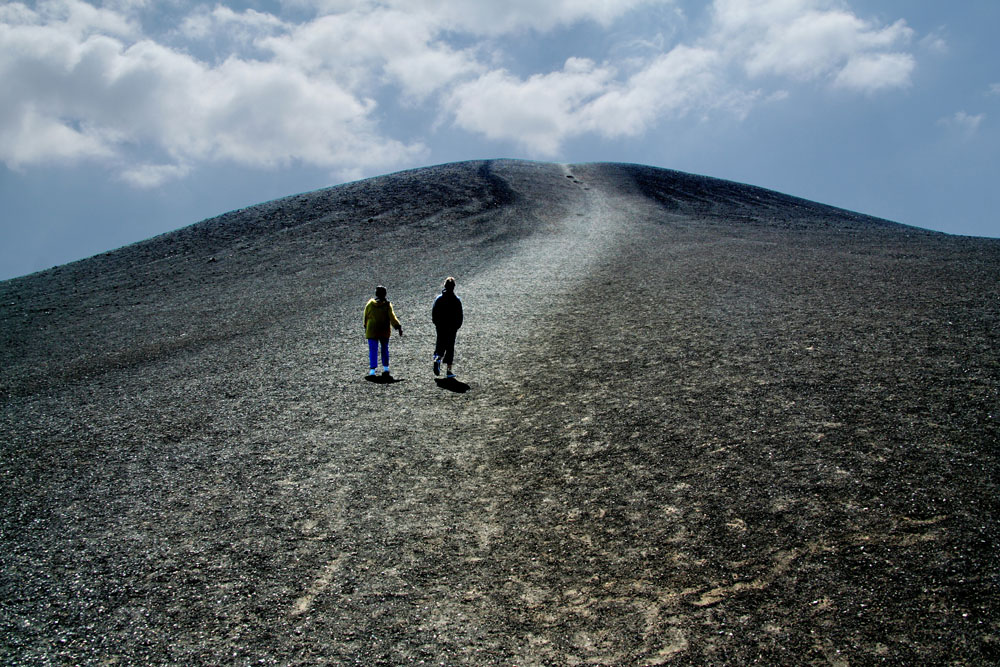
(395,321)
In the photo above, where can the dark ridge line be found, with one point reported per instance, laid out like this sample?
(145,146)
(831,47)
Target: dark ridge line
(501,193)
(342,204)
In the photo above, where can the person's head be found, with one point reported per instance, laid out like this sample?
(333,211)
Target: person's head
(449,284)
(380,292)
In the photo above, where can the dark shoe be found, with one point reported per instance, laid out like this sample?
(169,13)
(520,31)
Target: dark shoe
(437,366)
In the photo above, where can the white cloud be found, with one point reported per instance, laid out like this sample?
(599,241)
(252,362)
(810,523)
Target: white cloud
(935,42)
(994,89)
(542,111)
(671,85)
(802,40)
(84,82)
(363,50)
(487,18)
(964,123)
(77,17)
(875,71)
(153,175)
(267,114)
(497,18)
(17,13)
(73,95)
(246,26)
(30,138)
(811,39)
(539,112)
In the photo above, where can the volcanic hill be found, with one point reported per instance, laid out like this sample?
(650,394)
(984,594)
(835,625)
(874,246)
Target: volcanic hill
(695,422)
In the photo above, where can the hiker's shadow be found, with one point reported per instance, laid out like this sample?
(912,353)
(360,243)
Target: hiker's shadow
(451,384)
(382,379)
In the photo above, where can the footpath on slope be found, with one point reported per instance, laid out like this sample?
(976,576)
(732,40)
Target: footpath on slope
(422,504)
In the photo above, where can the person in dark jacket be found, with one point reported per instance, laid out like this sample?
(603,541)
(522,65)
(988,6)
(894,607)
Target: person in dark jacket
(447,316)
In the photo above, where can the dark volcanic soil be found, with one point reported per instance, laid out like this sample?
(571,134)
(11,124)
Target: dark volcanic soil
(697,422)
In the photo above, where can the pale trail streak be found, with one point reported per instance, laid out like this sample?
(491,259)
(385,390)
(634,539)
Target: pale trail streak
(526,284)
(530,285)
(549,264)
(305,601)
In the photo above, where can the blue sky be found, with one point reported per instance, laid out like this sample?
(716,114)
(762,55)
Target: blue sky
(123,119)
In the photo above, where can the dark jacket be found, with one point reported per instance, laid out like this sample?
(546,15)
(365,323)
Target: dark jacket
(447,311)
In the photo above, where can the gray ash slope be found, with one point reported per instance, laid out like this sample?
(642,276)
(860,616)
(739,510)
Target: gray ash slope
(704,422)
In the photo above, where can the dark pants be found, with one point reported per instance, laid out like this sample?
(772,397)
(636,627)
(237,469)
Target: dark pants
(444,346)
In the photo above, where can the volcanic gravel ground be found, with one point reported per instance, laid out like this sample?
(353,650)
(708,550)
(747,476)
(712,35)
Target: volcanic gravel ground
(695,422)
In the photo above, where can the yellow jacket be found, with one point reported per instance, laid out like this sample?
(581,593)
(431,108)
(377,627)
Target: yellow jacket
(379,317)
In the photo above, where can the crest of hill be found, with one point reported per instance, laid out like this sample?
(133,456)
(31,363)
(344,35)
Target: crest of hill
(247,268)
(426,199)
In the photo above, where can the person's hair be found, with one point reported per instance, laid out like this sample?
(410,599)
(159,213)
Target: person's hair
(380,292)
(449,284)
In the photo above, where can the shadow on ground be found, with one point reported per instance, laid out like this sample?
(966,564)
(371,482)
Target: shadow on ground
(452,384)
(383,378)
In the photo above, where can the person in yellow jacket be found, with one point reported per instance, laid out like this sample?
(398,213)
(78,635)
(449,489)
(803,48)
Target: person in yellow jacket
(379,322)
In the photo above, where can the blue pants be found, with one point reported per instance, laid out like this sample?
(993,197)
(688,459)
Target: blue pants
(373,345)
